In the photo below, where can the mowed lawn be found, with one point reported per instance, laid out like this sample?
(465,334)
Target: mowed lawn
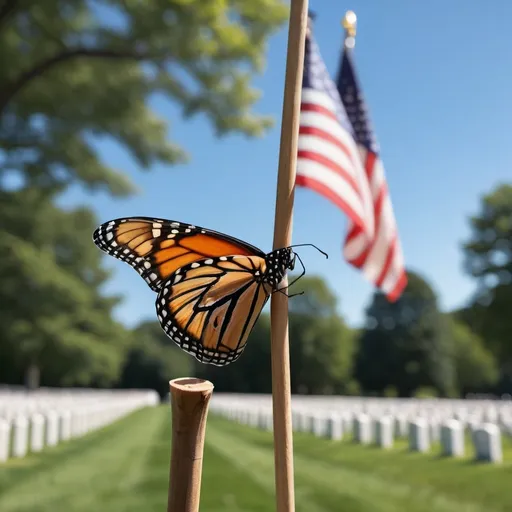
(124,467)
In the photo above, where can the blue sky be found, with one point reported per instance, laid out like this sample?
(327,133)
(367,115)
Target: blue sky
(437,81)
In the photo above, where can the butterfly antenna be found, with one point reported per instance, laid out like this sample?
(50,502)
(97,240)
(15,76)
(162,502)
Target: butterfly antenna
(311,245)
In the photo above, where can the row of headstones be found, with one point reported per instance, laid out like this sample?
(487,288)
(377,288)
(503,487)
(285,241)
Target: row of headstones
(470,412)
(28,425)
(382,431)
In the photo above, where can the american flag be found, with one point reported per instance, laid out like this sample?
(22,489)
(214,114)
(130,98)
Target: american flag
(338,157)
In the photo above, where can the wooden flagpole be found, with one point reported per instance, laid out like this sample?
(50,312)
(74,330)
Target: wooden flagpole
(281,394)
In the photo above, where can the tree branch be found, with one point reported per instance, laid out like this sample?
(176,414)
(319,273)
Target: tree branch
(8,92)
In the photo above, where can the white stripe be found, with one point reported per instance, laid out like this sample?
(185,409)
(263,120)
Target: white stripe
(327,150)
(355,247)
(378,178)
(319,97)
(333,181)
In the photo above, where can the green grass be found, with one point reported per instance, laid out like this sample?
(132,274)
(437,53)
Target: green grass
(124,467)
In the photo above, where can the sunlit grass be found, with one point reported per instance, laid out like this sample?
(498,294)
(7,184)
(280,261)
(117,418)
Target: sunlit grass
(124,467)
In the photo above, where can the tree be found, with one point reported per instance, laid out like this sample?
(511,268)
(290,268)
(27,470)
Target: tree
(489,260)
(73,73)
(321,344)
(153,359)
(475,367)
(406,344)
(55,321)
(76,71)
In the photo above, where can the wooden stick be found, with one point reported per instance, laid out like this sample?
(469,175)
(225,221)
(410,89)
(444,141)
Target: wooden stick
(189,399)
(281,395)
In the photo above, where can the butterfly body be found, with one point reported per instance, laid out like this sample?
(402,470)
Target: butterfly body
(211,287)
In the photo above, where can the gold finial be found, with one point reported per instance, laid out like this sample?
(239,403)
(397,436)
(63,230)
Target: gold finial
(349,24)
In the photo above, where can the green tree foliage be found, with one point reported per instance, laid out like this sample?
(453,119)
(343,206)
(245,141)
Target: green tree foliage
(52,313)
(475,366)
(406,344)
(73,71)
(153,359)
(489,260)
(321,344)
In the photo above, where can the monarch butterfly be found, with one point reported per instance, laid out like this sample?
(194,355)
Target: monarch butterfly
(211,287)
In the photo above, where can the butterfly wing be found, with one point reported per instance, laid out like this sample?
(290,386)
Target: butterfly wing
(210,306)
(156,248)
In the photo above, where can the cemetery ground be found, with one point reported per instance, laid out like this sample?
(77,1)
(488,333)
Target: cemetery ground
(124,467)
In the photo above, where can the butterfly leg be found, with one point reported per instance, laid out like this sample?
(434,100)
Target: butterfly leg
(281,290)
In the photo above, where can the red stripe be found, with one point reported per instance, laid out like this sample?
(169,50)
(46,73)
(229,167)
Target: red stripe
(387,262)
(370,165)
(355,231)
(395,293)
(327,162)
(314,107)
(320,188)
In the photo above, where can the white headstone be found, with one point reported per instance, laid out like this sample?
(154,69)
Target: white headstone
(435,429)
(363,429)
(52,428)
(269,421)
(419,440)
(36,432)
(65,425)
(5,439)
(452,438)
(20,440)
(334,427)
(401,426)
(348,422)
(487,441)
(319,425)
(384,432)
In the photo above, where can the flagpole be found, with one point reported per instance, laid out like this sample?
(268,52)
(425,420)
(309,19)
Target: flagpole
(349,23)
(280,353)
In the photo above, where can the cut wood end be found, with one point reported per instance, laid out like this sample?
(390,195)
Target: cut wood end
(191,384)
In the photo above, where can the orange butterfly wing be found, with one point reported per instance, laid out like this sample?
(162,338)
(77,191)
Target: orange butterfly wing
(209,307)
(157,248)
